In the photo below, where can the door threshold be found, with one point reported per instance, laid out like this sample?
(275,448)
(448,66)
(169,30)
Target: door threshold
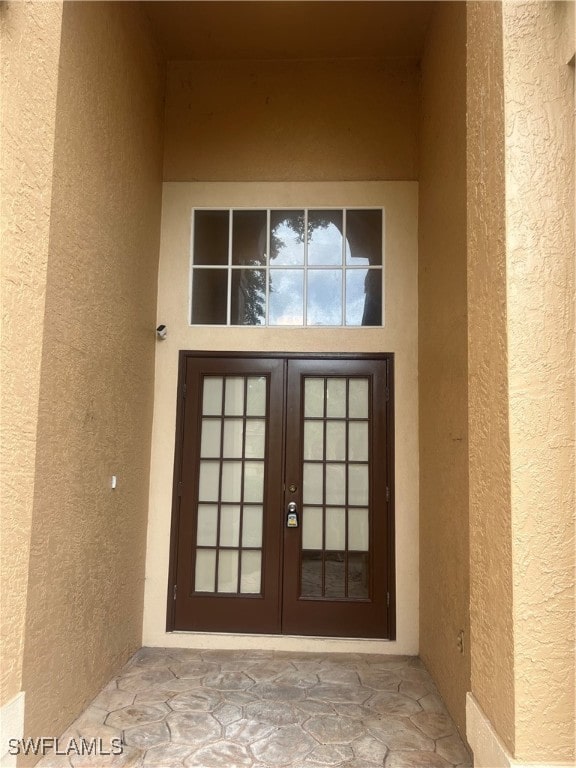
(289,643)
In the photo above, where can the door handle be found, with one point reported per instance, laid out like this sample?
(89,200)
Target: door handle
(292,515)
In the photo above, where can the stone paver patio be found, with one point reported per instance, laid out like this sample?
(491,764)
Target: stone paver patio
(176,708)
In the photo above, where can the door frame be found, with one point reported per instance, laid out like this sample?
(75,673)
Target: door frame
(183,355)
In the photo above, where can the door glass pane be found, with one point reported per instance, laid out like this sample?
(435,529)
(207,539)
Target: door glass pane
(358,484)
(364,237)
(314,440)
(231,481)
(358,575)
(336,398)
(229,526)
(207,525)
(358,441)
(358,529)
(228,570)
(313,398)
(335,574)
(324,237)
(336,440)
(205,574)
(212,396)
(249,238)
(336,484)
(248,297)
(210,447)
(286,237)
(209,480)
(324,304)
(211,238)
(209,296)
(311,585)
(254,481)
(252,527)
(286,297)
(233,438)
(358,399)
(335,528)
(255,438)
(234,403)
(256,396)
(250,577)
(312,488)
(312,528)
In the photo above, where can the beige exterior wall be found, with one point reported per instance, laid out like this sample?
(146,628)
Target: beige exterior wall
(85,589)
(291,121)
(491,577)
(400,335)
(30,46)
(442,360)
(540,203)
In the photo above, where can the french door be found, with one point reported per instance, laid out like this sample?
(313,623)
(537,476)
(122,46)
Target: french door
(282,518)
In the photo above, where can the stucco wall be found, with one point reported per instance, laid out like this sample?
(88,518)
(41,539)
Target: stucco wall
(539,114)
(293,121)
(85,590)
(442,360)
(30,46)
(491,630)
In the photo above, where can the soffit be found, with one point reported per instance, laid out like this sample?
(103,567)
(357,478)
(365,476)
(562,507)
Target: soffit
(289,30)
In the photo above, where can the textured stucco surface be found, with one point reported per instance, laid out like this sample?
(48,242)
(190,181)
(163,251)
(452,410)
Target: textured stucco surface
(85,590)
(291,121)
(539,113)
(30,46)
(442,359)
(491,612)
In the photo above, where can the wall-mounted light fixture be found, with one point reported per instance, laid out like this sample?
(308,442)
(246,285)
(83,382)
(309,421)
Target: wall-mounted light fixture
(161,332)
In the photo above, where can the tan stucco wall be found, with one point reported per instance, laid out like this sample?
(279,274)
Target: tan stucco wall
(442,359)
(30,46)
(400,336)
(85,591)
(491,578)
(540,203)
(293,121)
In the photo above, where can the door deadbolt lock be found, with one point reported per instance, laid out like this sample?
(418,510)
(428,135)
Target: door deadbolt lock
(292,516)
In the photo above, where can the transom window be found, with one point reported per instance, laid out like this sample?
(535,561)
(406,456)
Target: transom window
(289,267)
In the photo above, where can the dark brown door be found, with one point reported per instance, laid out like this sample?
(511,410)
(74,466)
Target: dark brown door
(282,508)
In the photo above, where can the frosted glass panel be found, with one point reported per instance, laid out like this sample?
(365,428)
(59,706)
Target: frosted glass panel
(256,396)
(233,434)
(234,404)
(336,398)
(231,481)
(254,481)
(311,528)
(228,571)
(358,399)
(312,492)
(314,440)
(358,529)
(205,570)
(358,441)
(251,572)
(210,448)
(335,528)
(229,526)
(252,527)
(336,484)
(314,398)
(358,484)
(336,440)
(209,477)
(255,438)
(207,524)
(212,396)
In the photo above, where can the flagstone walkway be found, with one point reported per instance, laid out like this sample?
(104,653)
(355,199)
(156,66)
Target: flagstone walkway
(176,708)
